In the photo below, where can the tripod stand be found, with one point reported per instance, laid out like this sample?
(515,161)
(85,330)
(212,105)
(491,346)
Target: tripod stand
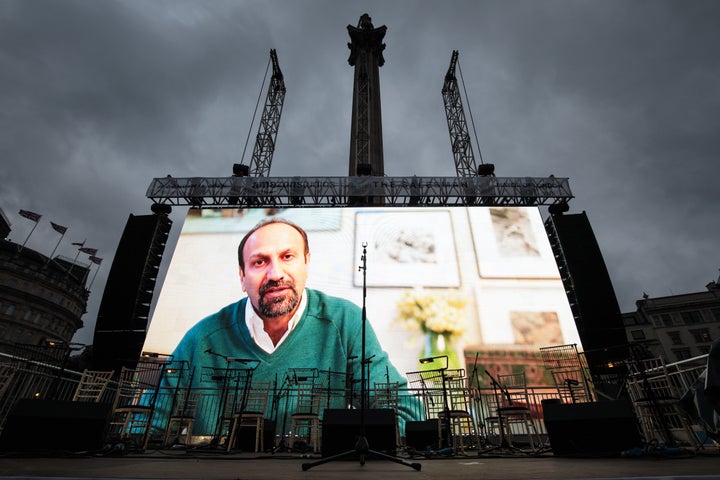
(362,448)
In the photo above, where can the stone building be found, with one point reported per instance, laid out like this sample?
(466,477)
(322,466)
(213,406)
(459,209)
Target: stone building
(676,327)
(41,299)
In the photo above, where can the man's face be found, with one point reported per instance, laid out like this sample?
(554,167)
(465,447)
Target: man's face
(276,270)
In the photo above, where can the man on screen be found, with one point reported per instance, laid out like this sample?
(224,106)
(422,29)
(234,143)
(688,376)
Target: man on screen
(281,324)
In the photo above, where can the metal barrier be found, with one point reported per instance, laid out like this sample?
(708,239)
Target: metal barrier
(27,381)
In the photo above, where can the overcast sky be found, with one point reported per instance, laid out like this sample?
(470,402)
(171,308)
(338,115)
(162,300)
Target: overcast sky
(98,97)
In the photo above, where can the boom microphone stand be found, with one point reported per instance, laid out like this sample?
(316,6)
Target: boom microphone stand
(361,447)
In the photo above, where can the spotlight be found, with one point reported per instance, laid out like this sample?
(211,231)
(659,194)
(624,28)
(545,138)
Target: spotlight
(161,208)
(558,208)
(241,170)
(486,169)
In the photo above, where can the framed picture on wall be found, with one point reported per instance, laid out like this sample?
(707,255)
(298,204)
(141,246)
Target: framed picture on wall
(530,312)
(509,242)
(406,248)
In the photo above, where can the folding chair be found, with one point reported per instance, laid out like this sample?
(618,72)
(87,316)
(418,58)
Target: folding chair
(571,386)
(252,414)
(305,421)
(513,413)
(182,419)
(92,385)
(134,405)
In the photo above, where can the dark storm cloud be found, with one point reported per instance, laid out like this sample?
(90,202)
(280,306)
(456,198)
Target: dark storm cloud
(99,97)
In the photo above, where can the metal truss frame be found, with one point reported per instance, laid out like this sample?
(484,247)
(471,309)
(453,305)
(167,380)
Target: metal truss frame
(245,191)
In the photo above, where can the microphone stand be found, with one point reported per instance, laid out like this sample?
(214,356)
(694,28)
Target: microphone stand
(284,391)
(362,448)
(350,382)
(477,397)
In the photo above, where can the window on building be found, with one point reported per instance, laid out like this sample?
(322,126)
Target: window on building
(701,335)
(692,317)
(27,316)
(10,310)
(674,338)
(637,335)
(666,320)
(715,313)
(681,353)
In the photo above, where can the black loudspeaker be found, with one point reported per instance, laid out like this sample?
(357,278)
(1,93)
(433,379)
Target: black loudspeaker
(423,434)
(245,438)
(591,429)
(341,430)
(55,425)
(125,306)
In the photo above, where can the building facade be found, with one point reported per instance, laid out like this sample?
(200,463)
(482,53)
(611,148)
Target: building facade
(676,327)
(41,299)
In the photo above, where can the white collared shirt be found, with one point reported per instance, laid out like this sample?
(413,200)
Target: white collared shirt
(256,326)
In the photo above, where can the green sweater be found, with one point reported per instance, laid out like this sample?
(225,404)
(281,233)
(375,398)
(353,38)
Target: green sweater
(328,334)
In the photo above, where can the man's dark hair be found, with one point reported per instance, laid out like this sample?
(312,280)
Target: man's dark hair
(269,221)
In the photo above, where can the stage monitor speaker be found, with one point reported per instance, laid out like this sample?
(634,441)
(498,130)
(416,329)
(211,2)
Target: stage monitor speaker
(55,425)
(599,429)
(341,430)
(423,435)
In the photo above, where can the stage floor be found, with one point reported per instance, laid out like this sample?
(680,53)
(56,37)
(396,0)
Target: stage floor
(183,465)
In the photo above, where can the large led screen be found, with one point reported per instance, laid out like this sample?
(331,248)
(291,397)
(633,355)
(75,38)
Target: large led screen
(478,284)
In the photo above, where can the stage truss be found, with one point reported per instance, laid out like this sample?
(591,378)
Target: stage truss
(245,191)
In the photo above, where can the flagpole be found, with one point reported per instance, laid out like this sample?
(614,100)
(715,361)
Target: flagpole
(73,263)
(93,279)
(80,245)
(56,247)
(28,237)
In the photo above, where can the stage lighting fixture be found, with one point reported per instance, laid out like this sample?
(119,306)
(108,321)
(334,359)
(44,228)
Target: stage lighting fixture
(161,209)
(486,169)
(241,170)
(558,208)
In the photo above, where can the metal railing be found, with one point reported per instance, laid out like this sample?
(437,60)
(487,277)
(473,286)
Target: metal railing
(27,382)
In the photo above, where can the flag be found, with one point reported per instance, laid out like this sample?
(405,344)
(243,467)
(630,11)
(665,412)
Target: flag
(95,259)
(89,251)
(59,228)
(80,244)
(35,217)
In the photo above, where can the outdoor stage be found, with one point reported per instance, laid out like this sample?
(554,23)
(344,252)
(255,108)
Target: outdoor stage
(181,465)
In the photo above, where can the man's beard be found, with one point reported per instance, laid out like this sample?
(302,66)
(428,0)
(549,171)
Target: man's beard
(278,306)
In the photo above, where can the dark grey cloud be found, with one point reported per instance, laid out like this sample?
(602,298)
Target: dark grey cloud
(99,97)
